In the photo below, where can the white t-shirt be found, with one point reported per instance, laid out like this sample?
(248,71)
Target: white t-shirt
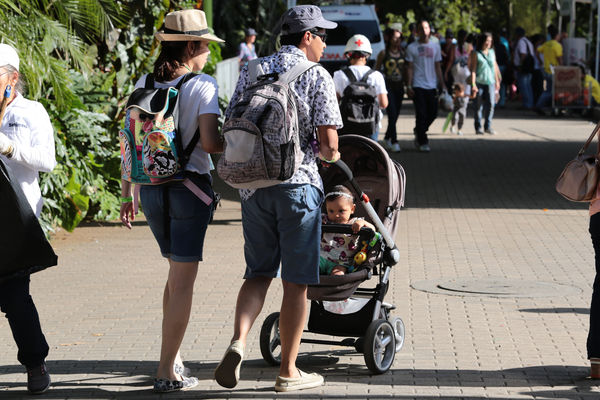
(423,56)
(27,124)
(198,96)
(375,79)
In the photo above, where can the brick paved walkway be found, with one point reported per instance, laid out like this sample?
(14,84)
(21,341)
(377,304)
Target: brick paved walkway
(477,207)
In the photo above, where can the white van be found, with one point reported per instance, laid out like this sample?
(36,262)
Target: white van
(351,19)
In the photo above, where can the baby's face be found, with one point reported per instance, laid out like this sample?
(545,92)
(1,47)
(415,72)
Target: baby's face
(339,210)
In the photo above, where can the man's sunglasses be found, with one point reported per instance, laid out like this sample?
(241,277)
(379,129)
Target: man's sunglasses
(322,35)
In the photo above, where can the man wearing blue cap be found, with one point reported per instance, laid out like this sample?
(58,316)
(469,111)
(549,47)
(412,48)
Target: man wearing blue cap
(282,223)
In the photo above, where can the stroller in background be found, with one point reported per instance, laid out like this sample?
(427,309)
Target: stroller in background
(378,183)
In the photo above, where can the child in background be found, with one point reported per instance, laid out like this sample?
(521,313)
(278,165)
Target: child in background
(459,113)
(338,249)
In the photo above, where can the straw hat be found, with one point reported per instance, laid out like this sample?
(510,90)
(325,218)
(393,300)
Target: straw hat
(186,25)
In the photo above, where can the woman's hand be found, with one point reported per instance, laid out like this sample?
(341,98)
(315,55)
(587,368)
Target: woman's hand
(127,214)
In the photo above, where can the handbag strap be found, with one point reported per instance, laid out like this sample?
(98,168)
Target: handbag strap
(587,143)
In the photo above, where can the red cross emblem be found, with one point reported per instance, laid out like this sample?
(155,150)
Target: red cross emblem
(358,43)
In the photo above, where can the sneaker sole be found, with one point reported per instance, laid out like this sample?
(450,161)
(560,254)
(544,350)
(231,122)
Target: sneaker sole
(300,386)
(44,390)
(227,374)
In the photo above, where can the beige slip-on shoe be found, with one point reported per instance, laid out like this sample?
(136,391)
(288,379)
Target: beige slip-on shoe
(304,381)
(227,373)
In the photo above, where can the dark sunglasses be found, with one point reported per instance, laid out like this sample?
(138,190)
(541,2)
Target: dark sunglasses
(322,35)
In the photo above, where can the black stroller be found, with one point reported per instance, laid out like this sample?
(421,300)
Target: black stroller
(378,183)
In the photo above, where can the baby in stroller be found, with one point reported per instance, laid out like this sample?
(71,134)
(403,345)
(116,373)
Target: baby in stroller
(338,249)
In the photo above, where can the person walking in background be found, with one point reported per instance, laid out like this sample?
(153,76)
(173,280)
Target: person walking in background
(485,82)
(458,63)
(412,36)
(392,64)
(537,78)
(552,52)
(282,223)
(27,148)
(177,216)
(424,76)
(524,62)
(447,46)
(357,51)
(247,50)
(460,101)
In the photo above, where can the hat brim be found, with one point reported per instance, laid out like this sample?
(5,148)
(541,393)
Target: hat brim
(181,37)
(326,24)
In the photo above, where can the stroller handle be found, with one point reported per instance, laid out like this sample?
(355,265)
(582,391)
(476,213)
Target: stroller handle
(364,233)
(393,254)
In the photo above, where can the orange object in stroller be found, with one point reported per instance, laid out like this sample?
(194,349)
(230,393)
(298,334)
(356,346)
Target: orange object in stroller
(340,306)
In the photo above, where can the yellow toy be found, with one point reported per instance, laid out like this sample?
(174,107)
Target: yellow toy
(361,256)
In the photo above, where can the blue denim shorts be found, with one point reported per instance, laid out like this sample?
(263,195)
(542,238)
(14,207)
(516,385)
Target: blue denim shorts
(178,218)
(282,224)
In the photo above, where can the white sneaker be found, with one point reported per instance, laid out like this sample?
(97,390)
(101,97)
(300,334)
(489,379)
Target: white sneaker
(459,133)
(387,143)
(395,148)
(424,148)
(452,130)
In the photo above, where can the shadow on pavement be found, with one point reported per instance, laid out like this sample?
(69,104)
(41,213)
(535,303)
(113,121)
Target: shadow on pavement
(137,376)
(483,173)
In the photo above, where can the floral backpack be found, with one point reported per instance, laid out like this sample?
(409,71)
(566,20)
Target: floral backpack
(151,147)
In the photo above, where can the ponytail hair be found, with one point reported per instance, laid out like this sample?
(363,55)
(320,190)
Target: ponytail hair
(170,58)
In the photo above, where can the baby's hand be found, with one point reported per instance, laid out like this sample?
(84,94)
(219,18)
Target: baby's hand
(359,223)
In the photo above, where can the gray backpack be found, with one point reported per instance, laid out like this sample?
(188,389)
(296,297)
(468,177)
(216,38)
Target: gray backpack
(262,142)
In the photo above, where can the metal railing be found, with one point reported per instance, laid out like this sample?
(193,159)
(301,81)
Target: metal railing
(227,75)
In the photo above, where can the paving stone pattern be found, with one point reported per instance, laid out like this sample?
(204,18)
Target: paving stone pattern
(477,207)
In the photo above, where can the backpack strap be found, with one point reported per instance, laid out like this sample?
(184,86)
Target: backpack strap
(348,72)
(297,70)
(149,82)
(366,76)
(187,151)
(185,78)
(255,69)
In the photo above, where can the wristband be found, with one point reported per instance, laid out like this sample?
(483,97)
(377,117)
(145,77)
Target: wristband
(329,161)
(126,199)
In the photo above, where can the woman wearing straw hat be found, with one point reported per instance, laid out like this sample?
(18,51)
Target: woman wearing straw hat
(26,147)
(180,228)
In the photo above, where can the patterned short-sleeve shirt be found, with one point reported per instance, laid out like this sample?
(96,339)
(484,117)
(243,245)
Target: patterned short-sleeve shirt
(317,106)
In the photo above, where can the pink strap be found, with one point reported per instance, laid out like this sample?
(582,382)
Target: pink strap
(197,191)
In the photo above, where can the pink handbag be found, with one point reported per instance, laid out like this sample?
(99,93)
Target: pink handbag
(579,179)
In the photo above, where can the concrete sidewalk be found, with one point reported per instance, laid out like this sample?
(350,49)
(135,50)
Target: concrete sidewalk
(482,216)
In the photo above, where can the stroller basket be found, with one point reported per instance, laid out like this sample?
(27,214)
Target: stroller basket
(338,287)
(328,323)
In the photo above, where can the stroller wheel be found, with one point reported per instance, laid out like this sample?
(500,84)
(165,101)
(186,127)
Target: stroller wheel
(399,332)
(270,343)
(380,346)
